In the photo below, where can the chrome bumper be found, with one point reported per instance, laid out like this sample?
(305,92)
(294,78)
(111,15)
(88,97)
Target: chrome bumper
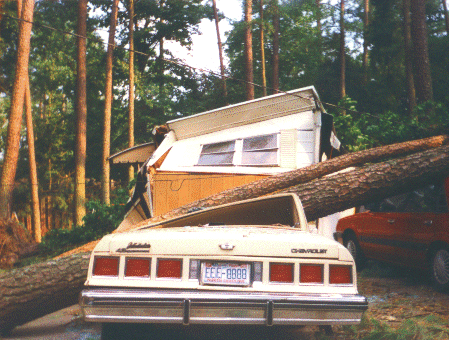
(204,307)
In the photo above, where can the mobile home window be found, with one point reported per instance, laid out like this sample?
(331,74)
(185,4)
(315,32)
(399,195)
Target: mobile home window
(217,153)
(260,150)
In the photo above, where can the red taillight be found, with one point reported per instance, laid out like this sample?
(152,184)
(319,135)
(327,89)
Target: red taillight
(281,272)
(340,274)
(137,267)
(311,273)
(106,266)
(169,268)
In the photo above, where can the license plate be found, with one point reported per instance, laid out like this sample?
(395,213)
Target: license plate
(224,273)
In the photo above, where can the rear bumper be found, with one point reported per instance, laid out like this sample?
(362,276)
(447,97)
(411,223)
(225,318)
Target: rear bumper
(203,307)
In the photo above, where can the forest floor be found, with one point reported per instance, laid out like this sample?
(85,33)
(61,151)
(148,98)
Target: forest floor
(402,305)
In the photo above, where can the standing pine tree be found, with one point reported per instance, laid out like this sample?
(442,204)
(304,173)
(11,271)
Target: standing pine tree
(81,116)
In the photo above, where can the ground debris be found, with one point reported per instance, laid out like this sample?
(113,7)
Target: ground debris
(15,242)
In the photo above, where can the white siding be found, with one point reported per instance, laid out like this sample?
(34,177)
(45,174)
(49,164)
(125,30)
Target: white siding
(288,145)
(185,153)
(305,148)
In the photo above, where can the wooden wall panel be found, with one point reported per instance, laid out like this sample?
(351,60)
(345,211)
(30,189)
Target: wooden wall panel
(173,190)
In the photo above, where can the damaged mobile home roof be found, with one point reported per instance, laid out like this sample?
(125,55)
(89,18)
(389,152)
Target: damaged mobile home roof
(249,112)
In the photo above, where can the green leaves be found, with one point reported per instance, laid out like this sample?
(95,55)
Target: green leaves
(100,220)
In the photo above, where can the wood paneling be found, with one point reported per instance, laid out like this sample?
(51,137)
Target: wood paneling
(173,190)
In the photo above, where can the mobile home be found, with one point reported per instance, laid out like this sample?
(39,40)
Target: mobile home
(223,148)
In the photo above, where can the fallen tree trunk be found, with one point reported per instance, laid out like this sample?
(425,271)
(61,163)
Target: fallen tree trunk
(34,291)
(371,183)
(31,292)
(285,180)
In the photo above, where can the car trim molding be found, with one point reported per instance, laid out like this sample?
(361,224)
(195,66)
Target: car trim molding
(411,245)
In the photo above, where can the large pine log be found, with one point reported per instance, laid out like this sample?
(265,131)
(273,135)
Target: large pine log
(371,183)
(31,292)
(34,291)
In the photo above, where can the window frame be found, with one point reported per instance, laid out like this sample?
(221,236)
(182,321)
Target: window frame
(238,151)
(231,152)
(270,148)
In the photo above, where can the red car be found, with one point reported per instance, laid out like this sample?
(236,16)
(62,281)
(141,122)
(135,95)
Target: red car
(410,229)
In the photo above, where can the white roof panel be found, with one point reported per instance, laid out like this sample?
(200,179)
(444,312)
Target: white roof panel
(249,112)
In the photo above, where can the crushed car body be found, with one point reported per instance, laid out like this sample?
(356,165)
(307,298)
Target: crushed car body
(251,262)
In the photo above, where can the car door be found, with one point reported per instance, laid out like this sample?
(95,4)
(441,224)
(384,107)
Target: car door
(427,213)
(378,233)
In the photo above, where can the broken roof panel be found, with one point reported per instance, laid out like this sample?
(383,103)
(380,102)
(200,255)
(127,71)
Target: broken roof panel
(249,112)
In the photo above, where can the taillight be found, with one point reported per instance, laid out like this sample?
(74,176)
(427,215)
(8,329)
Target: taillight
(311,273)
(281,272)
(106,266)
(169,268)
(340,274)
(137,267)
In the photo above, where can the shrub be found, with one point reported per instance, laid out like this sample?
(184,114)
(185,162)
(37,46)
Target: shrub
(100,220)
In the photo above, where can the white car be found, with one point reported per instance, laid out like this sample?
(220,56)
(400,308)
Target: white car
(252,262)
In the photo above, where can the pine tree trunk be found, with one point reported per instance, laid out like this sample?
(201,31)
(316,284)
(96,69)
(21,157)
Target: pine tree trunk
(15,116)
(108,106)
(35,209)
(220,51)
(365,41)
(446,16)
(131,86)
(34,291)
(249,77)
(81,116)
(423,79)
(318,19)
(160,70)
(411,95)
(262,49)
(2,3)
(371,183)
(342,51)
(275,8)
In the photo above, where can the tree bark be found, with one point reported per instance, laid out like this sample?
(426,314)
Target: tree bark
(15,116)
(2,3)
(220,51)
(249,74)
(318,19)
(275,8)
(411,95)
(81,116)
(446,16)
(423,78)
(35,209)
(262,49)
(55,284)
(31,292)
(342,51)
(371,183)
(365,41)
(131,86)
(105,185)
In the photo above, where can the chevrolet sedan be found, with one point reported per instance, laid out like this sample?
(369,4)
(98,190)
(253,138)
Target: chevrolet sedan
(254,262)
